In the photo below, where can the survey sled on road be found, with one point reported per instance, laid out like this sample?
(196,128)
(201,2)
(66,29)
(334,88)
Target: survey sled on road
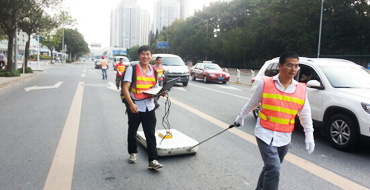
(175,143)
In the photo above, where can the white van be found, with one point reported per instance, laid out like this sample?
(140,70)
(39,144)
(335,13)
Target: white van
(116,59)
(174,67)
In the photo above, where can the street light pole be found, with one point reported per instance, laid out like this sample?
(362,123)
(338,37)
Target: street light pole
(63,46)
(166,39)
(319,43)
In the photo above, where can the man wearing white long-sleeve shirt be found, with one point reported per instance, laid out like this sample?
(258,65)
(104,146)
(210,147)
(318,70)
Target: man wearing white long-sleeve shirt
(281,99)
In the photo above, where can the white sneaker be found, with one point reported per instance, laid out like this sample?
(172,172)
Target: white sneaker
(132,159)
(153,165)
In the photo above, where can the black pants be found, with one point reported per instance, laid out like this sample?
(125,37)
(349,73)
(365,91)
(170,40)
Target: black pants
(148,121)
(118,81)
(2,64)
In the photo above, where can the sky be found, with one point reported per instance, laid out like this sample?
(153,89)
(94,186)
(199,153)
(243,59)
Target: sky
(93,16)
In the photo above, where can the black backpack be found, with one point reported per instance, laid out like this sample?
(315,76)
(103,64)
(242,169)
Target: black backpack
(133,82)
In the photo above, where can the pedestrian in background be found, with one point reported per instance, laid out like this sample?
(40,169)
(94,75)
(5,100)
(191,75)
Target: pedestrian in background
(158,67)
(104,67)
(281,99)
(2,60)
(141,106)
(120,68)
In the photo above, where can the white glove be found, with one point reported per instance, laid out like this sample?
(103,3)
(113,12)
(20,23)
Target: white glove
(310,143)
(239,120)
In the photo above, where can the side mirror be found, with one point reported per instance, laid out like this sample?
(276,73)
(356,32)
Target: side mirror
(315,84)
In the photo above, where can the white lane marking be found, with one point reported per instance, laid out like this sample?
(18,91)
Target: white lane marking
(229,87)
(61,171)
(56,85)
(310,167)
(179,88)
(220,91)
(112,86)
(83,75)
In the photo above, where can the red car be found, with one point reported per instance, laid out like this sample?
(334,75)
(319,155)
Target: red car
(209,72)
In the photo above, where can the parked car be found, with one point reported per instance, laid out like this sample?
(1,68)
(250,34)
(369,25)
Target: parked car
(116,59)
(97,64)
(339,95)
(134,62)
(174,67)
(209,72)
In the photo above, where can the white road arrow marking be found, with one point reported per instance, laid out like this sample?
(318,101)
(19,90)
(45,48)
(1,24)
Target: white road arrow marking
(43,87)
(112,86)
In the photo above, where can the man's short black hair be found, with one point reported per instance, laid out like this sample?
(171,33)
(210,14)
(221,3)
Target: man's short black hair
(288,54)
(158,58)
(120,58)
(144,48)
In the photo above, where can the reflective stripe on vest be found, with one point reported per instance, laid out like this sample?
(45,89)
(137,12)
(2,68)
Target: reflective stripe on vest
(159,71)
(278,109)
(120,68)
(143,82)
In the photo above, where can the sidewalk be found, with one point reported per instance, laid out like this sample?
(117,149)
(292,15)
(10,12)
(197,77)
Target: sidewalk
(6,82)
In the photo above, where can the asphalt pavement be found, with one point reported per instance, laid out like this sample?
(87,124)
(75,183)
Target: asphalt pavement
(6,82)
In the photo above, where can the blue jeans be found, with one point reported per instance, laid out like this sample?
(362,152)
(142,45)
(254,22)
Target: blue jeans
(272,158)
(104,72)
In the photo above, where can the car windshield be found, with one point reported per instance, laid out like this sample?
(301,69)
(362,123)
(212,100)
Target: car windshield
(347,76)
(172,61)
(212,67)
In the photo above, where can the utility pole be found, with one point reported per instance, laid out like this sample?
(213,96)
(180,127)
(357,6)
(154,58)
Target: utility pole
(319,43)
(63,47)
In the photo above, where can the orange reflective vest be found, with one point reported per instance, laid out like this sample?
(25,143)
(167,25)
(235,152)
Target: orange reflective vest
(143,82)
(278,109)
(159,71)
(121,68)
(104,64)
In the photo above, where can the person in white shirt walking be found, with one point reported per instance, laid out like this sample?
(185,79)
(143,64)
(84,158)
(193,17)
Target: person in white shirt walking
(281,98)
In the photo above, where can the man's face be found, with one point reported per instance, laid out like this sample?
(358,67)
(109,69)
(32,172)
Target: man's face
(145,57)
(289,68)
(159,61)
(121,60)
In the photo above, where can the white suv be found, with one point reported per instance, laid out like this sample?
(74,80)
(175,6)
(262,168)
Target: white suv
(339,95)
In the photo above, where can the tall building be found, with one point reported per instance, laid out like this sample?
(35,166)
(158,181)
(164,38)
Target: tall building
(128,24)
(167,11)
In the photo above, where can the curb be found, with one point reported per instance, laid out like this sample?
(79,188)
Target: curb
(16,81)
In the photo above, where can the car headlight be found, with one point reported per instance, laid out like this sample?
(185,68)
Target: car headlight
(227,74)
(366,107)
(212,75)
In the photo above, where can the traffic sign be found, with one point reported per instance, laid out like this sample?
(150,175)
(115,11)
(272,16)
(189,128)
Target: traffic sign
(162,45)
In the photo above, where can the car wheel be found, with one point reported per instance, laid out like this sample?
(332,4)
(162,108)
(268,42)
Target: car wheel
(256,112)
(193,77)
(342,132)
(205,79)
(224,82)
(185,83)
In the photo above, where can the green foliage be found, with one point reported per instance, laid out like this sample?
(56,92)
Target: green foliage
(27,70)
(132,53)
(42,57)
(245,33)
(12,73)
(76,44)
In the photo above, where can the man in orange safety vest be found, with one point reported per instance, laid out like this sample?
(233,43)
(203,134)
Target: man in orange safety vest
(281,98)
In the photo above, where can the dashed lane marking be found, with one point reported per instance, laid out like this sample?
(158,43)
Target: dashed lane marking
(314,169)
(61,171)
(243,97)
